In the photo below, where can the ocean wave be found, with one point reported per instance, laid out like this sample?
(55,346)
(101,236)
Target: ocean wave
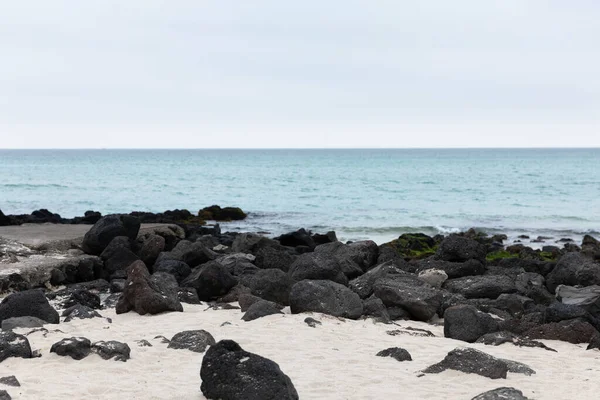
(33,186)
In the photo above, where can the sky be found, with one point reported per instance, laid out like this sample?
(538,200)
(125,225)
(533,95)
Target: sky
(306,74)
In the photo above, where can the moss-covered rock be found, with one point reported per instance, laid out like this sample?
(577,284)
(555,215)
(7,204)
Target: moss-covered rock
(217,213)
(413,245)
(525,253)
(499,255)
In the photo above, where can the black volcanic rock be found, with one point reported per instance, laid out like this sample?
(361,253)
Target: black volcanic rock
(316,266)
(573,331)
(573,269)
(483,286)
(211,280)
(269,284)
(467,323)
(453,269)
(112,350)
(75,347)
(14,345)
(29,303)
(363,285)
(261,309)
(81,312)
(460,249)
(196,341)
(471,361)
(217,213)
(5,221)
(152,245)
(411,294)
(396,353)
(325,297)
(147,294)
(178,269)
(230,373)
(297,239)
(106,229)
(503,393)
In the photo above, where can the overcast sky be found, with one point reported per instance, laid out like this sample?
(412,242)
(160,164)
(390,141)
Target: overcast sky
(274,73)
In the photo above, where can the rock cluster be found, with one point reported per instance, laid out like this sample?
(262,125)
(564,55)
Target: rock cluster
(484,292)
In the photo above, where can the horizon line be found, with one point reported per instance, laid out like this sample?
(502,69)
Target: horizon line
(308,148)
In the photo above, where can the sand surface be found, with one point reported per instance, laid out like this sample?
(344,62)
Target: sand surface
(333,361)
(38,234)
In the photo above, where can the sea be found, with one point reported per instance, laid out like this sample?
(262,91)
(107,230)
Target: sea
(373,194)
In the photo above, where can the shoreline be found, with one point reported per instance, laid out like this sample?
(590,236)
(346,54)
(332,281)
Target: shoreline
(535,238)
(304,300)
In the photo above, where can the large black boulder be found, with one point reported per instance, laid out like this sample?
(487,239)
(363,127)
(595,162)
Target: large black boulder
(483,286)
(217,213)
(355,258)
(459,249)
(374,307)
(238,263)
(269,284)
(210,280)
(44,216)
(106,229)
(317,267)
(467,323)
(14,345)
(533,285)
(178,269)
(325,297)
(363,285)
(409,293)
(408,246)
(573,269)
(77,348)
(246,300)
(298,238)
(196,341)
(5,221)
(112,349)
(471,361)
(587,298)
(230,373)
(116,244)
(147,294)
(151,247)
(247,242)
(270,254)
(527,264)
(191,253)
(573,331)
(29,303)
(83,297)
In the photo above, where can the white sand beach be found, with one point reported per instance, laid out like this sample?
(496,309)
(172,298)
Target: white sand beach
(335,360)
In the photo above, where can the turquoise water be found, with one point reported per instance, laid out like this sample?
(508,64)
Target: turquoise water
(374,194)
